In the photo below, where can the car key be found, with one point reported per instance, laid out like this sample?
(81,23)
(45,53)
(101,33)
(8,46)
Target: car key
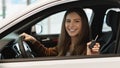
(93,42)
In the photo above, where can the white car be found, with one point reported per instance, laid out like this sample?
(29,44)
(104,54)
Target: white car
(43,21)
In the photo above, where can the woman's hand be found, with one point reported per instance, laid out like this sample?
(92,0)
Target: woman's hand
(28,37)
(94,50)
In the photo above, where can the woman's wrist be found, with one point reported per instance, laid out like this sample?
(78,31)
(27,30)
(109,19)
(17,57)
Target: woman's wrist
(33,40)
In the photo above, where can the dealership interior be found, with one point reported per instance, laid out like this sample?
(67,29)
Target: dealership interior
(8,7)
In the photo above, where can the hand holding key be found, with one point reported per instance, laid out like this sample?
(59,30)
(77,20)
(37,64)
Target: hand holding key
(93,47)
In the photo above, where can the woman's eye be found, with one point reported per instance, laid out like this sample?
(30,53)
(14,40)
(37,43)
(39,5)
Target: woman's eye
(77,21)
(68,21)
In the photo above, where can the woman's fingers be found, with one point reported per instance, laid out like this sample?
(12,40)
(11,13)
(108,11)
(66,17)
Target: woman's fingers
(94,50)
(27,37)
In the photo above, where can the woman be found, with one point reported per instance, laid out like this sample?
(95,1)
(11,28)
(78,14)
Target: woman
(73,40)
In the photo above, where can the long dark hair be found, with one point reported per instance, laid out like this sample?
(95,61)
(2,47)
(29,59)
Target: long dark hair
(83,38)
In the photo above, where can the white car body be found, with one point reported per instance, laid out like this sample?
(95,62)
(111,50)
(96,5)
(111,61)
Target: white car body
(110,62)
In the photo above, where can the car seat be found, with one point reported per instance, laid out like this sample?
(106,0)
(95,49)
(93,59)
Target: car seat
(112,20)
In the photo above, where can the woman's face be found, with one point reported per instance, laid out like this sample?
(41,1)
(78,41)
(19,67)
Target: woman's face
(73,24)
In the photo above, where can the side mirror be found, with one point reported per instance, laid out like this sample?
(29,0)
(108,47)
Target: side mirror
(37,29)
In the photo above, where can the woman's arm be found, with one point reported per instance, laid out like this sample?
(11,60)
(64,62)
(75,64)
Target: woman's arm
(39,48)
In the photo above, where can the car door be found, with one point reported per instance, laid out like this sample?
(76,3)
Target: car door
(30,18)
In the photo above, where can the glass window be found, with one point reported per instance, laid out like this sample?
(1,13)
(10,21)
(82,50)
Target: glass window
(89,14)
(0,9)
(14,6)
(18,1)
(52,24)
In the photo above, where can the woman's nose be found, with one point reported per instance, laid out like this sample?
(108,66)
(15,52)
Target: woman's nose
(71,23)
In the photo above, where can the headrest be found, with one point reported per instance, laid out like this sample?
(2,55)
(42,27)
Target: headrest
(112,18)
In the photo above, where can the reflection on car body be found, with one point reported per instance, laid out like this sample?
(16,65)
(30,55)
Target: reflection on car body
(102,15)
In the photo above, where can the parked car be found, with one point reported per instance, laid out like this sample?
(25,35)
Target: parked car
(41,21)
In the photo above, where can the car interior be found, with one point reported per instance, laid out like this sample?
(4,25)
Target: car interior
(10,46)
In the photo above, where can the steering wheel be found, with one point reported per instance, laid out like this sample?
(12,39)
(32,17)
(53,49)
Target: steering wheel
(22,47)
